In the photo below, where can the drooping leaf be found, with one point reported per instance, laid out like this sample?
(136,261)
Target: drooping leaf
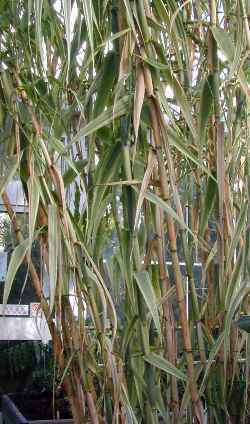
(226,44)
(70,175)
(138,100)
(38,7)
(34,194)
(210,197)
(212,356)
(237,234)
(8,172)
(89,14)
(186,150)
(105,83)
(105,172)
(146,288)
(130,415)
(67,23)
(168,209)
(179,93)
(53,251)
(164,365)
(225,41)
(16,260)
(102,120)
(205,106)
(144,186)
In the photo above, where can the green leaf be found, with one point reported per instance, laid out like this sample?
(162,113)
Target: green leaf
(89,14)
(67,14)
(7,86)
(180,96)
(164,365)
(104,119)
(130,415)
(241,292)
(53,251)
(70,175)
(205,106)
(210,197)
(224,41)
(9,172)
(234,279)
(240,43)
(38,7)
(128,334)
(179,93)
(226,45)
(130,17)
(185,149)
(216,346)
(241,223)
(34,197)
(145,285)
(99,286)
(105,172)
(16,260)
(105,290)
(109,70)
(159,202)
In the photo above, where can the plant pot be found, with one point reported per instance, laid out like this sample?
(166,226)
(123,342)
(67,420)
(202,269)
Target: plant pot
(11,413)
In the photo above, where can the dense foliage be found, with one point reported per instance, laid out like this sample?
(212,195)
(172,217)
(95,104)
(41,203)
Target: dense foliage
(128,125)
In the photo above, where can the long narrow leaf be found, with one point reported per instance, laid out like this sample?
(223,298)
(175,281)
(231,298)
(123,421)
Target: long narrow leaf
(146,288)
(53,251)
(164,365)
(16,260)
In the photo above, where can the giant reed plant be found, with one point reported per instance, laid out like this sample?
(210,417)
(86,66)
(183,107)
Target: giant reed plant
(128,125)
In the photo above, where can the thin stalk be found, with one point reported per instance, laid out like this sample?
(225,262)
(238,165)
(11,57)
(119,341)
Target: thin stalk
(218,141)
(218,145)
(198,409)
(189,268)
(167,310)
